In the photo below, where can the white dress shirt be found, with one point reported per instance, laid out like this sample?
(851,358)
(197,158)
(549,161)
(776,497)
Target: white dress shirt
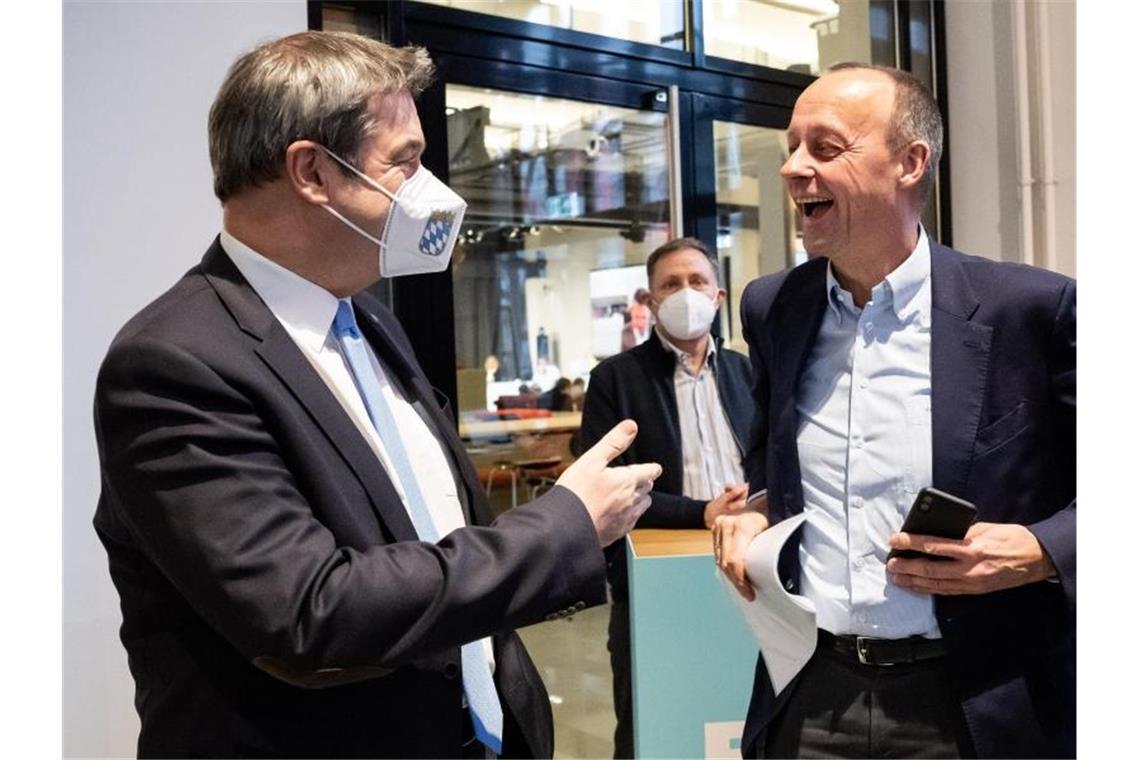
(306,311)
(865,451)
(709,451)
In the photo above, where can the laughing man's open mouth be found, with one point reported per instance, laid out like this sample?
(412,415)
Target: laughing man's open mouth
(814,207)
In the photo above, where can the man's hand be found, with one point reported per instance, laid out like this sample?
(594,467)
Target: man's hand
(614,496)
(992,557)
(731,536)
(731,502)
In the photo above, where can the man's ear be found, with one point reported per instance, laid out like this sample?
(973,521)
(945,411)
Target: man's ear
(912,164)
(308,170)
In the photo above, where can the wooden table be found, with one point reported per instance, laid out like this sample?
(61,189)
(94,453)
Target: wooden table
(651,542)
(557,422)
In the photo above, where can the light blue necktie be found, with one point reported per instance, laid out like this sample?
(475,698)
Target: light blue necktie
(478,685)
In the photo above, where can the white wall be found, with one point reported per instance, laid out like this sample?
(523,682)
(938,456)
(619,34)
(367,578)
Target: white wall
(981,40)
(138,211)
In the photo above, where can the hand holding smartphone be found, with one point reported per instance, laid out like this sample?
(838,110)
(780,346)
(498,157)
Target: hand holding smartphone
(936,513)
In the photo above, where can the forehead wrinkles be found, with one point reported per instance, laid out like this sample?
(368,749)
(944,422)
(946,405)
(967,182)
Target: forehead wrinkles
(849,106)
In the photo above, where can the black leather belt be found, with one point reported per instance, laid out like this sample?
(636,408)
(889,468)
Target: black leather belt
(882,652)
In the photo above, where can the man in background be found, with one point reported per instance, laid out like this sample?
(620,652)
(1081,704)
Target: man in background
(690,398)
(291,583)
(885,364)
(636,330)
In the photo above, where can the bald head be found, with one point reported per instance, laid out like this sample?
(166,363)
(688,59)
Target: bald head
(914,115)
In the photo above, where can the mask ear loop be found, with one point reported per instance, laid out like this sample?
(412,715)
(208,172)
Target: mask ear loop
(371,182)
(376,185)
(345,219)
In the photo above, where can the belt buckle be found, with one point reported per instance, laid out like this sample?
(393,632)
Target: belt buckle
(862,649)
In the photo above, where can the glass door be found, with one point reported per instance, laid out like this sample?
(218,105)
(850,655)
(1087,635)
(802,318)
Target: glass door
(566,201)
(756,223)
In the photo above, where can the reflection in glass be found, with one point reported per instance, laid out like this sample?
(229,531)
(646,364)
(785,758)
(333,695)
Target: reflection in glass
(756,221)
(653,22)
(566,201)
(805,36)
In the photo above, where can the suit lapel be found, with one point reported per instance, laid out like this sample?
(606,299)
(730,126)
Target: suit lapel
(291,367)
(794,330)
(959,366)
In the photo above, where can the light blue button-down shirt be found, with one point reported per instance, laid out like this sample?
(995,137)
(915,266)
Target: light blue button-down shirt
(865,451)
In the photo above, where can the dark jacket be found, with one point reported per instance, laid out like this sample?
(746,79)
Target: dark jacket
(638,385)
(275,599)
(1003,413)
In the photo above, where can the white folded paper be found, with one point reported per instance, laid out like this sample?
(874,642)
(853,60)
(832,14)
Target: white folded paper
(783,623)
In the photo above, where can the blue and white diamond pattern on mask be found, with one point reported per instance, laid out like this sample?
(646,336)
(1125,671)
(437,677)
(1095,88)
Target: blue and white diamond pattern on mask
(436,232)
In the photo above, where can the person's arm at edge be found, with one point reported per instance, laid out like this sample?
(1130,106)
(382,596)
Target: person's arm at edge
(1058,533)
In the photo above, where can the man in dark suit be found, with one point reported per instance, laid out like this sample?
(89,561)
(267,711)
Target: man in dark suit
(291,584)
(885,364)
(690,398)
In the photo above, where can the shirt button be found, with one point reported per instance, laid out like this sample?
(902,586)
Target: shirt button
(858,562)
(863,384)
(869,326)
(857,502)
(858,443)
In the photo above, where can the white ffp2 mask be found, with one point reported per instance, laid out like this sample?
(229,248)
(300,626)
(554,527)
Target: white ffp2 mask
(686,314)
(422,226)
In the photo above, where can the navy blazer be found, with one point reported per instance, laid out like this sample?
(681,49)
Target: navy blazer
(1003,408)
(638,384)
(275,599)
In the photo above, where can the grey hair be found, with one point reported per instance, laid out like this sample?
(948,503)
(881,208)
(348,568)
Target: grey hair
(312,85)
(914,118)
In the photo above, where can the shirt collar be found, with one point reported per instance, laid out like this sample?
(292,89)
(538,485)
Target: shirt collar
(899,290)
(303,307)
(907,279)
(682,357)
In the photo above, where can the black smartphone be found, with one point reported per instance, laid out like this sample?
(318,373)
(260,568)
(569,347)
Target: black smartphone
(936,513)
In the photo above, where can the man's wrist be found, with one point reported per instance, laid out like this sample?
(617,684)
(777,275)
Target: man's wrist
(710,513)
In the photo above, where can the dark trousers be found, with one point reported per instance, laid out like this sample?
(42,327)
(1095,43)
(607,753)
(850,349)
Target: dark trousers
(841,708)
(620,663)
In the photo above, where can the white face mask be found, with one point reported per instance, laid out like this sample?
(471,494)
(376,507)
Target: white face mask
(422,227)
(686,314)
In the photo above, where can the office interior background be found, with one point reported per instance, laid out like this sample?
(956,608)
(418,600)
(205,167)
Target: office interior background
(583,134)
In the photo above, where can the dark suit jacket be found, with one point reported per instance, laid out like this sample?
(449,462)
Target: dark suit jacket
(275,600)
(1003,407)
(638,384)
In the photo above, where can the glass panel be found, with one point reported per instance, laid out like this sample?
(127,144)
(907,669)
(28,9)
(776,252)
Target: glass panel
(566,201)
(922,66)
(756,221)
(799,35)
(654,23)
(341,18)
